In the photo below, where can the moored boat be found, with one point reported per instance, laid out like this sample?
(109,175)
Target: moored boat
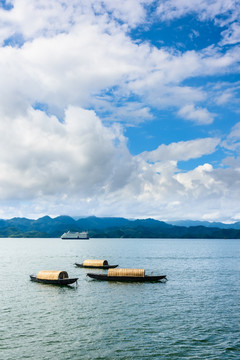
(97,264)
(53,277)
(70,235)
(127,275)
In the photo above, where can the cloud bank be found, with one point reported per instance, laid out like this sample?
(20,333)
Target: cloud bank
(73,79)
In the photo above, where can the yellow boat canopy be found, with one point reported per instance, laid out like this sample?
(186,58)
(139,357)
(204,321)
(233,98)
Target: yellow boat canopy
(95,263)
(52,275)
(126,272)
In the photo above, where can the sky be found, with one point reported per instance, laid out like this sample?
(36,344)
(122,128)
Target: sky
(127,108)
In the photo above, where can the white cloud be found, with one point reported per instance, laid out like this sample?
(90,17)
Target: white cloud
(41,156)
(182,151)
(52,167)
(231,35)
(78,55)
(80,167)
(232,141)
(205,9)
(89,57)
(197,115)
(65,69)
(44,18)
(223,13)
(197,178)
(226,94)
(224,97)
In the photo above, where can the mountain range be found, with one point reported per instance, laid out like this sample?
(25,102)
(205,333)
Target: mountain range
(219,225)
(113,227)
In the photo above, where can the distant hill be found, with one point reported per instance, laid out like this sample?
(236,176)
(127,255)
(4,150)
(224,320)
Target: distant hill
(219,225)
(107,227)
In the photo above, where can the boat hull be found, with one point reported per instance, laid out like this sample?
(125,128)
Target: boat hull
(97,267)
(146,278)
(61,282)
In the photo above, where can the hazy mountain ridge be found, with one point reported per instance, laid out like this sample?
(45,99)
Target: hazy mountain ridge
(113,228)
(188,223)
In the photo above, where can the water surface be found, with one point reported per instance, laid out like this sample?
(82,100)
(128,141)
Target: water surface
(195,315)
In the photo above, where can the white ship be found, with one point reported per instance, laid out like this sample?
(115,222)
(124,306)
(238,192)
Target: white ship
(75,235)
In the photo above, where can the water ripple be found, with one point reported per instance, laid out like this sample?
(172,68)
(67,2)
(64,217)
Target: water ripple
(195,315)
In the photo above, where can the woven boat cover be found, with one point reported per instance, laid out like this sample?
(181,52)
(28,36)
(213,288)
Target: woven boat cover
(52,275)
(95,263)
(126,272)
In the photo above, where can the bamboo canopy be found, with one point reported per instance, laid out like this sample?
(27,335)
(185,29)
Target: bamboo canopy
(126,272)
(52,275)
(95,263)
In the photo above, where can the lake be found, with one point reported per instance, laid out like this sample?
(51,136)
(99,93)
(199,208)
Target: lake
(194,315)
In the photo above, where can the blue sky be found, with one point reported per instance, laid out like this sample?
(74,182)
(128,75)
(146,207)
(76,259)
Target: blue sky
(128,109)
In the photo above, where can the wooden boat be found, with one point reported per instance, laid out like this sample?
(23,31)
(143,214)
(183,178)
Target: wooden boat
(96,264)
(136,275)
(53,277)
(97,267)
(146,278)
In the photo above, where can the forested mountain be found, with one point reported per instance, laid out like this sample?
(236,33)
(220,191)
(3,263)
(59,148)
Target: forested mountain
(108,227)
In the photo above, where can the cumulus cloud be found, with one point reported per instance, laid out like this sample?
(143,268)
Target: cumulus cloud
(199,176)
(182,151)
(223,13)
(41,18)
(41,156)
(92,63)
(81,167)
(52,166)
(205,9)
(197,115)
(60,59)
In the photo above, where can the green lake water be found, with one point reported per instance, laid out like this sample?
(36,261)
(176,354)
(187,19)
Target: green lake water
(194,315)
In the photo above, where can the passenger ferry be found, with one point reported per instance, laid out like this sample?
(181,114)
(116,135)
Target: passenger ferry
(75,235)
